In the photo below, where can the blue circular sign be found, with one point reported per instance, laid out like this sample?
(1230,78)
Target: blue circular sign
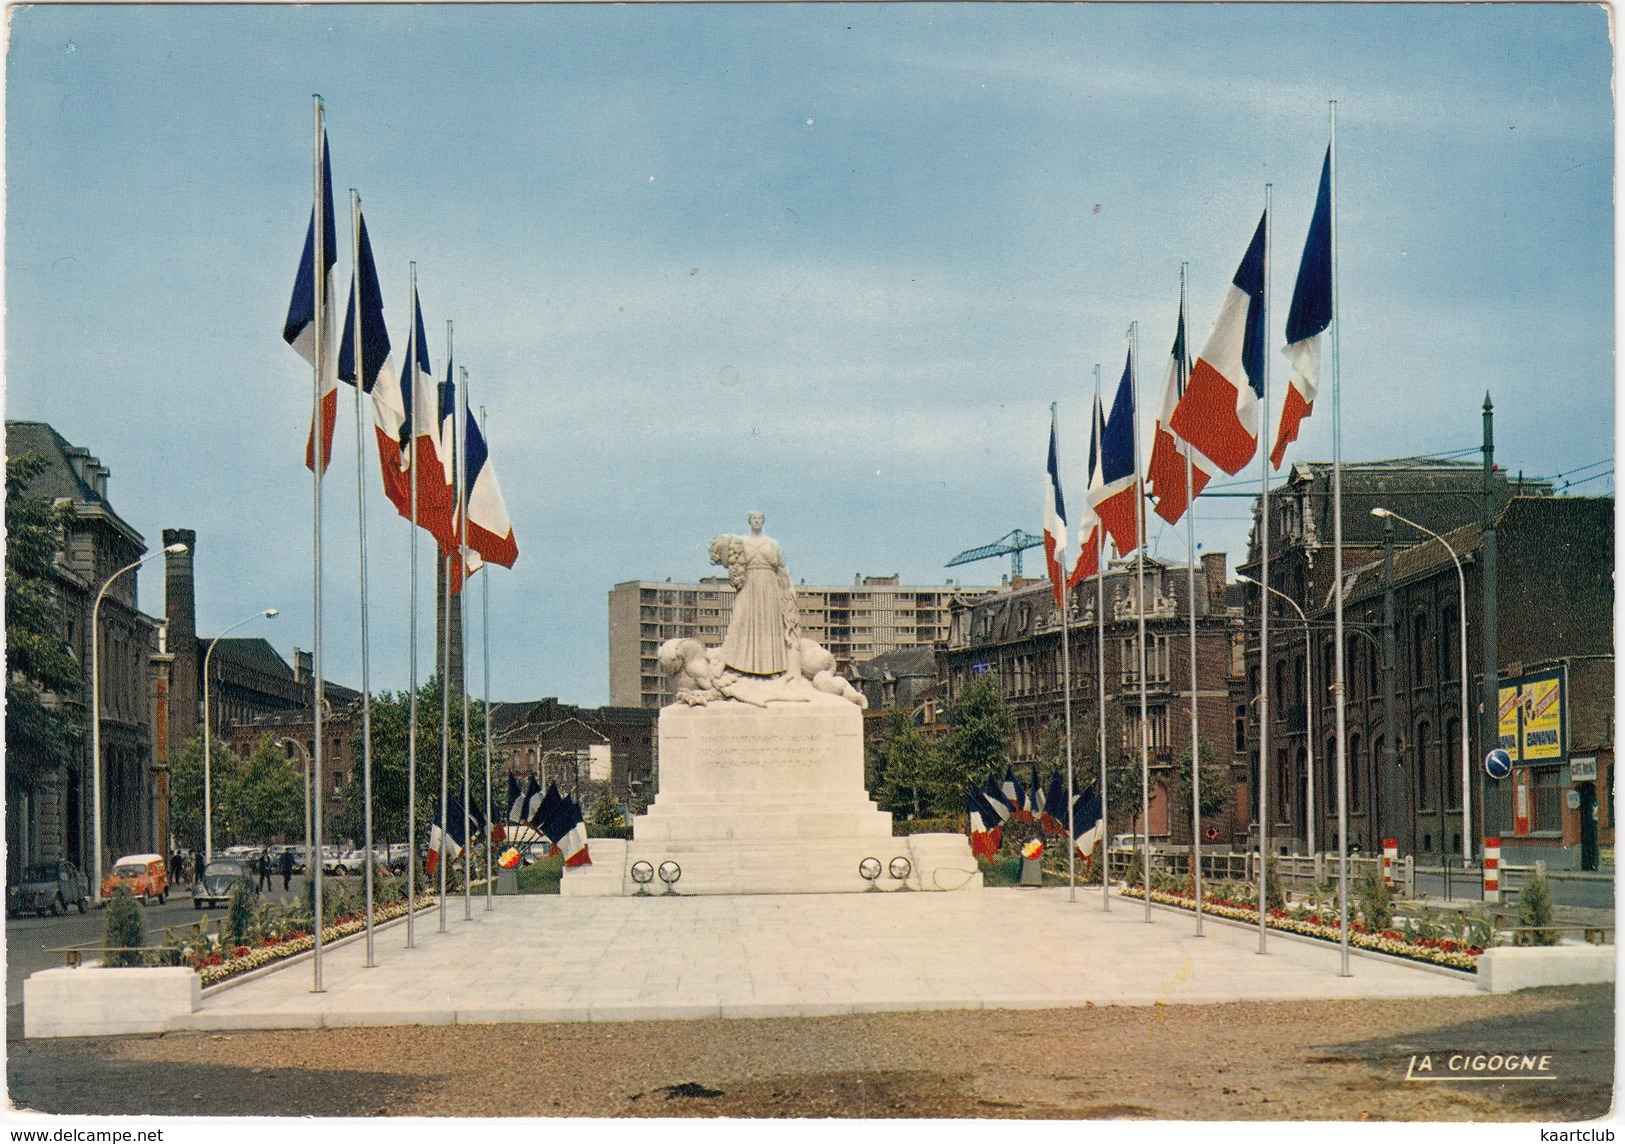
(1498,764)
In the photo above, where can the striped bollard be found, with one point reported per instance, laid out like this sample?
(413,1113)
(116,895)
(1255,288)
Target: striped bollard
(1390,855)
(1492,869)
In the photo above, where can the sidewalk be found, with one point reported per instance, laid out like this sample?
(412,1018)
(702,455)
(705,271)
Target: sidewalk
(547,958)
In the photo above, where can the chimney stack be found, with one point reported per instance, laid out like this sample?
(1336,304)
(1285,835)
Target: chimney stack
(180,613)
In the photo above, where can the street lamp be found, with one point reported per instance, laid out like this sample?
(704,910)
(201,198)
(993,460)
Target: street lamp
(305,752)
(208,736)
(96,709)
(1308,705)
(1461,626)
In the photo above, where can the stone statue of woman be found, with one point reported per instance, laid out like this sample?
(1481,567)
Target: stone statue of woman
(763,633)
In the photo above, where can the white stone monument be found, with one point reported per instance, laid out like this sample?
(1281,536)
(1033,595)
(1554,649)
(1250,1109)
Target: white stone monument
(761,767)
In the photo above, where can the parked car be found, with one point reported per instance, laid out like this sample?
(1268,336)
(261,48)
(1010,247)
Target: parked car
(355,861)
(220,878)
(143,875)
(51,887)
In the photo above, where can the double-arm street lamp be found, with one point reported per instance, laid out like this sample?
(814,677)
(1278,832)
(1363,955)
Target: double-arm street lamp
(1308,703)
(208,736)
(1461,627)
(96,710)
(306,753)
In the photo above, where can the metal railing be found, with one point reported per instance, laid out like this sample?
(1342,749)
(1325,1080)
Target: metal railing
(1296,871)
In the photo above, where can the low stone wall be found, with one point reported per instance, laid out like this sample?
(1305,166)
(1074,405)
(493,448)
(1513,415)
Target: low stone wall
(92,1001)
(1508,968)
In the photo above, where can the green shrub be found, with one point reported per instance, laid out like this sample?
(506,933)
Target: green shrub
(124,927)
(543,876)
(903,827)
(1535,911)
(1274,891)
(1375,903)
(239,915)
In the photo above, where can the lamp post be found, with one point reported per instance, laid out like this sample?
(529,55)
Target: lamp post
(208,736)
(96,709)
(1308,705)
(306,753)
(1461,627)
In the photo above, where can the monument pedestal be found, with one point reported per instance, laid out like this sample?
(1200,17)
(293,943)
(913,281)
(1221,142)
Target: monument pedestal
(770,800)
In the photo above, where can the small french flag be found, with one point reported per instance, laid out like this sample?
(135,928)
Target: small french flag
(1114,499)
(1055,521)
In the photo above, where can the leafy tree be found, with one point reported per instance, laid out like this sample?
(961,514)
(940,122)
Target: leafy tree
(606,820)
(1535,911)
(124,929)
(186,793)
(1215,784)
(914,775)
(265,795)
(41,736)
(980,730)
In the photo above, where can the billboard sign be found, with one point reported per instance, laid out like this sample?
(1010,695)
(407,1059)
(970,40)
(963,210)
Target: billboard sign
(1533,717)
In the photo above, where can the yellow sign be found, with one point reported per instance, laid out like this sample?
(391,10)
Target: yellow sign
(1542,709)
(1508,715)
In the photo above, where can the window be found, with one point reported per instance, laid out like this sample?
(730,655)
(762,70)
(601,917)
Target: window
(1449,644)
(1156,717)
(1426,776)
(1241,727)
(1356,773)
(1452,765)
(1419,648)
(1547,796)
(1156,659)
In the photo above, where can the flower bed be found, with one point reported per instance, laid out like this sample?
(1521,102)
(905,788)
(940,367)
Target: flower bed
(1451,954)
(214,969)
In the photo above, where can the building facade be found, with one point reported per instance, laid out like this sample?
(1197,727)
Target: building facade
(574,746)
(50,810)
(1014,637)
(875,615)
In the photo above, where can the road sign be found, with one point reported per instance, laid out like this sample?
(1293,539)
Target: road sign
(1498,764)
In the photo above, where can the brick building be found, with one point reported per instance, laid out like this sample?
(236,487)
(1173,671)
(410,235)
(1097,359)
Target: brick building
(1014,636)
(574,746)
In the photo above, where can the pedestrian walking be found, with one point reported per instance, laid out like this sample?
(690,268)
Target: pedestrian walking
(264,870)
(287,867)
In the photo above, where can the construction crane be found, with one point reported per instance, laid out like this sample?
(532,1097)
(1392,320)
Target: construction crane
(1014,542)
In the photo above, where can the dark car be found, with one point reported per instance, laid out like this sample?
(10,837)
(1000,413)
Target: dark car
(220,878)
(51,887)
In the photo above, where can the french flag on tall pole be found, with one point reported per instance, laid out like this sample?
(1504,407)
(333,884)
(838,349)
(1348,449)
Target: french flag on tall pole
(300,327)
(377,376)
(1308,318)
(1219,413)
(420,435)
(1089,527)
(490,533)
(1166,473)
(1055,520)
(1115,499)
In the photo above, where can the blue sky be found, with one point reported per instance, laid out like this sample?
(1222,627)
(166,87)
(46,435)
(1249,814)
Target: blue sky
(831,261)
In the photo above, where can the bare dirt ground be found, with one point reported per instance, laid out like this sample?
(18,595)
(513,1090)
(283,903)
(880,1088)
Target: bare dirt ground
(1243,1061)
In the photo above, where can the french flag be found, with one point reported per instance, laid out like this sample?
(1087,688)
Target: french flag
(1086,822)
(1089,537)
(1165,476)
(1115,498)
(420,431)
(300,326)
(1016,796)
(993,798)
(568,829)
(1219,412)
(377,377)
(1055,521)
(984,825)
(1053,817)
(1307,320)
(542,819)
(516,800)
(445,835)
(490,534)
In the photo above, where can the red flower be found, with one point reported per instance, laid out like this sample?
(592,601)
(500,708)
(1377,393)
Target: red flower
(1314,919)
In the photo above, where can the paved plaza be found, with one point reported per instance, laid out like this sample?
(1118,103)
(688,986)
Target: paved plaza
(548,958)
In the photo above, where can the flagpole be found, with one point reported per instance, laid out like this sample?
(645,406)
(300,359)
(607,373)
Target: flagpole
(1139,576)
(1183,374)
(412,641)
(1066,705)
(361,530)
(445,671)
(1337,592)
(318,440)
(1100,668)
(1264,605)
(460,432)
(485,639)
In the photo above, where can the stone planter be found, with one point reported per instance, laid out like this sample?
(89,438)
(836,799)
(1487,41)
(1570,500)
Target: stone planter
(507,882)
(1031,872)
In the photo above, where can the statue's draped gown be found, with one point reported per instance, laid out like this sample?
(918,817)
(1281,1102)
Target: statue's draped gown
(755,643)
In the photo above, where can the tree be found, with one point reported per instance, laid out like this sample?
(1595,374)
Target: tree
(41,736)
(980,730)
(912,772)
(186,793)
(1122,764)
(265,795)
(1215,784)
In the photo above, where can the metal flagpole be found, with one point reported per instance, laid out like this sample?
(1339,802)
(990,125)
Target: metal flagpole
(319,443)
(1264,605)
(412,641)
(1100,662)
(461,433)
(445,666)
(1139,610)
(485,639)
(1066,705)
(361,529)
(1339,690)
(1190,554)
